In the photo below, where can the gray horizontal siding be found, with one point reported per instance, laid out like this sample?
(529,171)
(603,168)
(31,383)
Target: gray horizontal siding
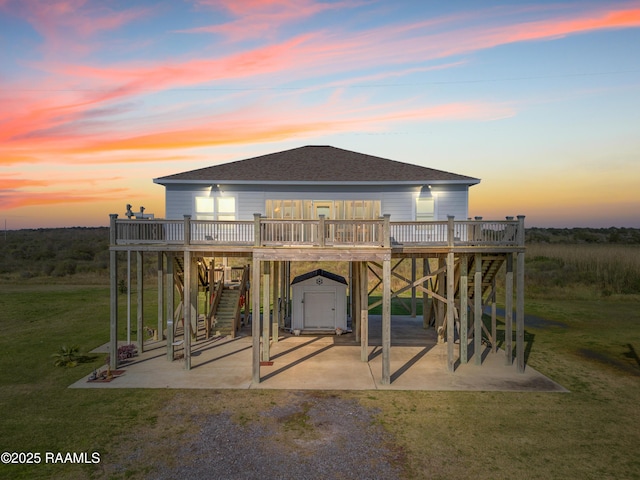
(400,205)
(180,201)
(451,201)
(248,203)
(399,202)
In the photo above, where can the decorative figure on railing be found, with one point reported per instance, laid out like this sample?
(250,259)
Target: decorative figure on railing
(137,215)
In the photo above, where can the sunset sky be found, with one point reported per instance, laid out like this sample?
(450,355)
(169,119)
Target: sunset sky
(541,100)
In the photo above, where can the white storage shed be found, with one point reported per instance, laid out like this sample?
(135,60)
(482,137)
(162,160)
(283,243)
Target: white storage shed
(319,302)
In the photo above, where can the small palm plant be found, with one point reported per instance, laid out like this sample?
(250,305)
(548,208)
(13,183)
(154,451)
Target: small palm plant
(66,356)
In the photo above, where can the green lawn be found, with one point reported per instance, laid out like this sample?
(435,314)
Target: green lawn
(591,432)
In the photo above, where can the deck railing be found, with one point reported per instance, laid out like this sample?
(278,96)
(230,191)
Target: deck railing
(462,233)
(321,232)
(225,232)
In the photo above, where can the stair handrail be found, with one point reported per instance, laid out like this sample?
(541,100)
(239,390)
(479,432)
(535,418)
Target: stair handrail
(243,291)
(217,293)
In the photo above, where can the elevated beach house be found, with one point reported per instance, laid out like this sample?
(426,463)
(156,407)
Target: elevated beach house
(321,203)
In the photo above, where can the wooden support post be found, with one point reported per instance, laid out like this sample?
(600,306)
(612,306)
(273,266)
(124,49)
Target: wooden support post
(355,301)
(386,321)
(477,228)
(161,263)
(248,298)
(508,311)
(275,320)
(450,230)
(211,279)
(494,327)
(520,298)
(187,230)
(170,300)
(128,297)
(193,299)
(425,296)
(277,291)
(257,240)
(440,308)
(350,294)
(477,314)
(140,302)
(226,268)
(280,295)
(255,319)
(364,313)
(286,312)
(386,230)
(322,234)
(186,308)
(289,299)
(450,310)
(266,312)
(413,289)
(113,298)
(464,306)
(450,277)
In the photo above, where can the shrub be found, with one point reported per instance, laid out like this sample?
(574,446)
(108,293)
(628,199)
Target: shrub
(66,356)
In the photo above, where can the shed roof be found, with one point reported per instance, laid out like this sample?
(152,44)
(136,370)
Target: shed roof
(319,273)
(316,164)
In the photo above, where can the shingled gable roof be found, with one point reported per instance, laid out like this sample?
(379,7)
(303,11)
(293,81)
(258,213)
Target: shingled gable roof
(319,273)
(316,164)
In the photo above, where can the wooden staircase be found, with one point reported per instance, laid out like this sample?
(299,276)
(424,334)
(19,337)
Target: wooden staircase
(223,317)
(490,268)
(225,313)
(228,300)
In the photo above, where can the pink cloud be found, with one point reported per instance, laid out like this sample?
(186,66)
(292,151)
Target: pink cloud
(27,199)
(418,42)
(263,18)
(67,26)
(18,191)
(73,120)
(551,29)
(324,52)
(258,124)
(53,128)
(9,183)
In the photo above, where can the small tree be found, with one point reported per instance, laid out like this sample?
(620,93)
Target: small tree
(66,356)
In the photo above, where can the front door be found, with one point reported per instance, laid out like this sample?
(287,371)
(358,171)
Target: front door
(320,310)
(323,208)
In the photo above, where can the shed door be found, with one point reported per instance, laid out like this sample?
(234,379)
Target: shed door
(320,310)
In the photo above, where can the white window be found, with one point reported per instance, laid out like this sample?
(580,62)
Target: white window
(425,209)
(226,208)
(204,208)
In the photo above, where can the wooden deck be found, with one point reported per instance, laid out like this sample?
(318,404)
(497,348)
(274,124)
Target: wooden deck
(244,236)
(469,254)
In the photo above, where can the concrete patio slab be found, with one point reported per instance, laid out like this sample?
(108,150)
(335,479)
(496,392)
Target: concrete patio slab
(326,363)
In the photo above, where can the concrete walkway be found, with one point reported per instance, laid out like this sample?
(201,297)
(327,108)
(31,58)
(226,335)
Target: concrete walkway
(326,363)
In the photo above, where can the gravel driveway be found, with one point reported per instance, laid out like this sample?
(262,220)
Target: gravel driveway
(304,435)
